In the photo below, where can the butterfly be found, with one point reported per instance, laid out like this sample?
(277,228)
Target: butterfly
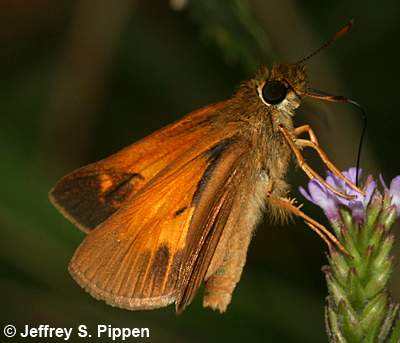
(178,208)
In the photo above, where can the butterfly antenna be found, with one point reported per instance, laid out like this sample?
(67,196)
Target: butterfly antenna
(335,37)
(317,94)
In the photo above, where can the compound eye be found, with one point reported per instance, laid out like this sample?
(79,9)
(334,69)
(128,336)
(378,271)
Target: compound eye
(274,92)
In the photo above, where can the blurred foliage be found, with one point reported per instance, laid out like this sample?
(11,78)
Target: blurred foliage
(233,28)
(78,83)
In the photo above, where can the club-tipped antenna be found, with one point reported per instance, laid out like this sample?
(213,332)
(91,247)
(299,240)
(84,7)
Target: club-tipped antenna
(335,37)
(316,94)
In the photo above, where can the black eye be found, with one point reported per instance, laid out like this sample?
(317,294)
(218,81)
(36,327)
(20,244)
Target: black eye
(274,92)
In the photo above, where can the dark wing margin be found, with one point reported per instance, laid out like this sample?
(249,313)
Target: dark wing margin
(88,197)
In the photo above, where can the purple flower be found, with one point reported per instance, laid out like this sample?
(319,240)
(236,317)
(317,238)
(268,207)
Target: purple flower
(330,202)
(321,196)
(393,191)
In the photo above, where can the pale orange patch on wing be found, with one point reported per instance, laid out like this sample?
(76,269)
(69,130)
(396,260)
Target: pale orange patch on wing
(105,182)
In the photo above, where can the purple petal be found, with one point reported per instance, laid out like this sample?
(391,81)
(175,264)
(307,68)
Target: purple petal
(358,212)
(352,173)
(319,195)
(395,185)
(394,192)
(369,191)
(317,192)
(383,182)
(305,194)
(335,182)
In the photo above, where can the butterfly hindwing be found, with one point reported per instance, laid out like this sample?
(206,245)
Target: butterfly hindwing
(213,211)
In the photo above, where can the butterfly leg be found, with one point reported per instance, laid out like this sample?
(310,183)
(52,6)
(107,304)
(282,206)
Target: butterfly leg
(319,229)
(314,144)
(311,173)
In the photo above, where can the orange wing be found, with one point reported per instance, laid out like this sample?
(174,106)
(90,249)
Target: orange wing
(156,249)
(89,195)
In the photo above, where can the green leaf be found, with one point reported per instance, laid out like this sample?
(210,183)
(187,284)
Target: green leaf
(374,312)
(388,217)
(395,334)
(336,291)
(350,323)
(382,255)
(378,280)
(339,265)
(355,290)
(387,325)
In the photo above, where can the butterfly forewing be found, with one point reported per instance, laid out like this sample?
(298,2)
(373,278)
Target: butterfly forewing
(89,195)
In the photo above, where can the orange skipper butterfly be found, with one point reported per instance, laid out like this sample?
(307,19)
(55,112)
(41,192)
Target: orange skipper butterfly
(179,207)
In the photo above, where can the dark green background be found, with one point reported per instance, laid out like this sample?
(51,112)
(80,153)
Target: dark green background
(82,79)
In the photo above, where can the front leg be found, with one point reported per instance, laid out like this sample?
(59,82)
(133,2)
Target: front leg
(311,173)
(314,144)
